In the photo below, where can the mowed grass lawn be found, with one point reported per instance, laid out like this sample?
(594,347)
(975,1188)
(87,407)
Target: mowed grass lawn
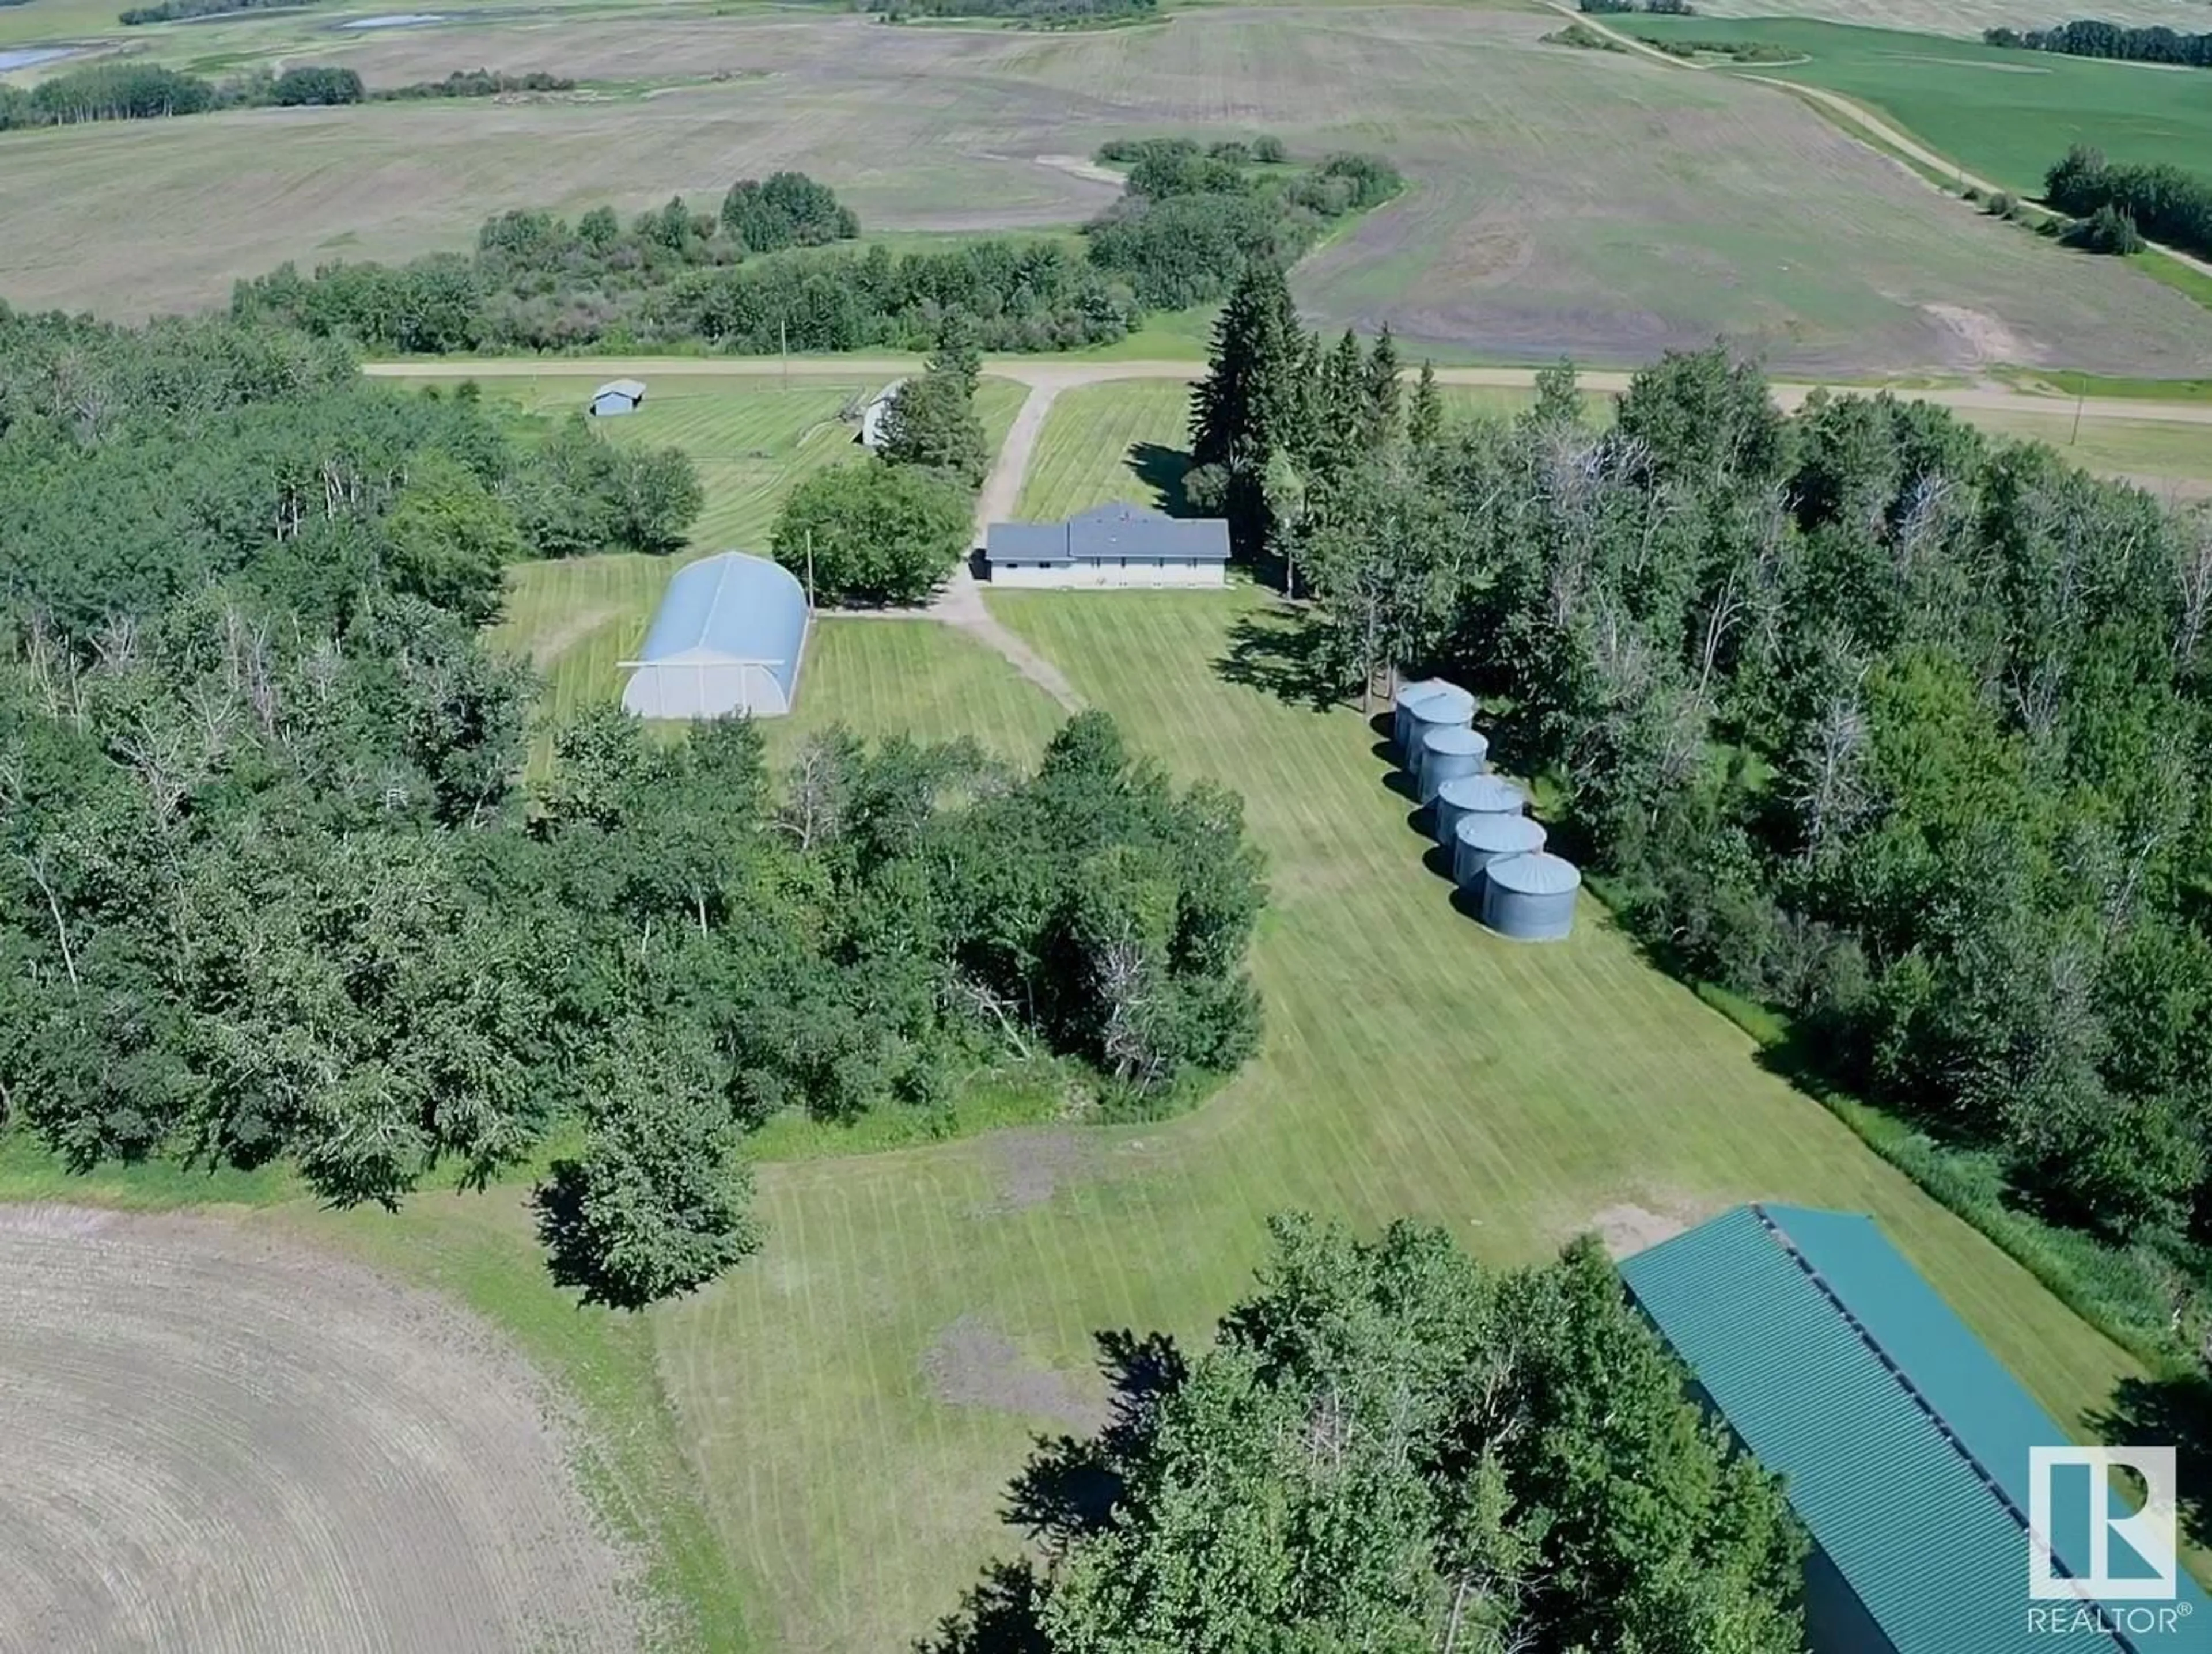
(2008,115)
(576,619)
(852,1445)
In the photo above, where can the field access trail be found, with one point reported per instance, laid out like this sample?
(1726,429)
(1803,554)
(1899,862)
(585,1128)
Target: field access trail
(1854,114)
(1054,376)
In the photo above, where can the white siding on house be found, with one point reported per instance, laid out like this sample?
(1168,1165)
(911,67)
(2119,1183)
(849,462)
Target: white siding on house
(1108,576)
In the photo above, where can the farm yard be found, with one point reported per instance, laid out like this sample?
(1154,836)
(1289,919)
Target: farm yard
(1722,208)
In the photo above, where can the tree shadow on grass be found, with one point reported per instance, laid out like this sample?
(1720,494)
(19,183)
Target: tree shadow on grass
(1282,654)
(2172,1412)
(1161,469)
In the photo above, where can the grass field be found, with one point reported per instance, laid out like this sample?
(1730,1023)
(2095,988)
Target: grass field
(1561,201)
(2006,115)
(1958,17)
(857,1396)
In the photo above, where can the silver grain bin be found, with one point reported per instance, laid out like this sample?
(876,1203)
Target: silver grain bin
(1450,755)
(1478,839)
(1475,795)
(1530,898)
(1401,705)
(1445,707)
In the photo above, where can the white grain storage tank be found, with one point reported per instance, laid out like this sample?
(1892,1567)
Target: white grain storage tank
(1530,898)
(1402,706)
(1445,707)
(1478,839)
(1475,795)
(1449,754)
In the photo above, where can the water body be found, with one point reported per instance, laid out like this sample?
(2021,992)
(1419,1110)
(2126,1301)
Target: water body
(395,19)
(32,56)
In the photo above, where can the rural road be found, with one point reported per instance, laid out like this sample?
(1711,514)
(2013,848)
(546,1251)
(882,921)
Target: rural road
(1855,114)
(1052,377)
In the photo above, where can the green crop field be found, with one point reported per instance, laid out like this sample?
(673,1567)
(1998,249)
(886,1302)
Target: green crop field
(856,1397)
(2006,115)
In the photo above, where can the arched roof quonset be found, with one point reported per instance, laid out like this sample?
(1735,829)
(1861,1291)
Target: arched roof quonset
(738,623)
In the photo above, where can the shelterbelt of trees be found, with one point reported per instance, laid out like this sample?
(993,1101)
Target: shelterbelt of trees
(1387,1447)
(269,887)
(2088,38)
(759,276)
(1900,728)
(2162,202)
(114,92)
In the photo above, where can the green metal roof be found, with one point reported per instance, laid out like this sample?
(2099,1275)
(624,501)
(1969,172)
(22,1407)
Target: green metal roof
(1902,1442)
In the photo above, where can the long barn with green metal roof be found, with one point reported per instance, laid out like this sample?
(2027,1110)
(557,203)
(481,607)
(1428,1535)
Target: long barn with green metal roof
(1902,1443)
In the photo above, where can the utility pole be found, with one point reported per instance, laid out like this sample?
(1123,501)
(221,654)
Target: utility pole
(2080,390)
(810,568)
(783,346)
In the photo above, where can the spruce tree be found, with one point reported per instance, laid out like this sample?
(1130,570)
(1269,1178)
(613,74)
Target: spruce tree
(1383,390)
(1424,418)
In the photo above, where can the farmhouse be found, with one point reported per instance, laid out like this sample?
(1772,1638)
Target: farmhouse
(1116,545)
(1902,1442)
(728,637)
(873,416)
(617,397)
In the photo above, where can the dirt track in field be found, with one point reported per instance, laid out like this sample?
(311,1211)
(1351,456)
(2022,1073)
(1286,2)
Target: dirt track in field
(217,1441)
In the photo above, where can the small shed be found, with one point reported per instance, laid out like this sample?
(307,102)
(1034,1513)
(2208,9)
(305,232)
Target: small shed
(617,397)
(1449,754)
(1475,795)
(1447,707)
(728,637)
(1478,840)
(873,416)
(1530,898)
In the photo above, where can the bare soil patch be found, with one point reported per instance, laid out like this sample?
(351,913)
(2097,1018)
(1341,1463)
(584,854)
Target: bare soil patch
(219,1441)
(973,1364)
(1034,1164)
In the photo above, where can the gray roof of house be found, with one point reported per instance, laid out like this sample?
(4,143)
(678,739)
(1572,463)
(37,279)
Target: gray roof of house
(634,388)
(1124,532)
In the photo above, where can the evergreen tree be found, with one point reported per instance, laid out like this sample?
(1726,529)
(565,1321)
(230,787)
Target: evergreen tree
(959,352)
(1425,414)
(1252,398)
(932,423)
(1384,393)
(1342,395)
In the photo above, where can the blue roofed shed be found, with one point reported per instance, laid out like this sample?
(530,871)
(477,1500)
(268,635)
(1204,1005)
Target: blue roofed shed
(617,397)
(728,637)
(1902,1443)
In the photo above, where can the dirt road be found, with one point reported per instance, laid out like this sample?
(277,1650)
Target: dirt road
(1855,115)
(1056,375)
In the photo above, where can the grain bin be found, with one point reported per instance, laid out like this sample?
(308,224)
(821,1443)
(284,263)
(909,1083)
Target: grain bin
(1401,706)
(1445,707)
(1478,839)
(1449,755)
(1529,898)
(1475,795)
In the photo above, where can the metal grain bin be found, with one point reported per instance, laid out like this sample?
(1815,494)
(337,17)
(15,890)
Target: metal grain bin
(1530,898)
(1475,795)
(1449,755)
(1446,707)
(1401,705)
(1479,841)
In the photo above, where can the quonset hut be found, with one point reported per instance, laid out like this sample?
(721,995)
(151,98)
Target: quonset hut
(1448,755)
(1446,707)
(1479,841)
(728,637)
(1475,795)
(1529,898)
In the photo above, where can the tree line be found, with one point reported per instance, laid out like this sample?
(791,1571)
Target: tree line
(1031,13)
(2091,37)
(269,888)
(474,83)
(2163,202)
(115,91)
(676,275)
(1386,1446)
(1860,713)
(178,11)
